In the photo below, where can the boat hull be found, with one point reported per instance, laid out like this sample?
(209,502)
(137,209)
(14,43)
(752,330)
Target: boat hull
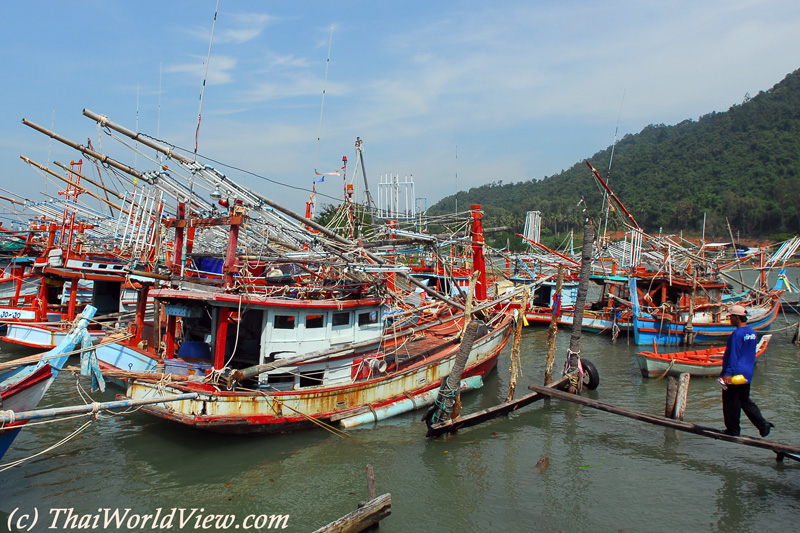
(253,412)
(706,362)
(40,336)
(649,329)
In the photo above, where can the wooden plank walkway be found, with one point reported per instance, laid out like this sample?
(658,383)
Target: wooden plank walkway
(451,426)
(782,450)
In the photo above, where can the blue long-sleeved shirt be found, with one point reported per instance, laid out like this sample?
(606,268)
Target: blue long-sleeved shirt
(740,353)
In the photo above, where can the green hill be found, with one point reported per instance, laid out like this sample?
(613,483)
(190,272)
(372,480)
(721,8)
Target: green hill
(741,164)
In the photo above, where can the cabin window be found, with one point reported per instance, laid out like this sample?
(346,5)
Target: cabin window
(281,378)
(371,317)
(315,321)
(312,378)
(340,319)
(284,322)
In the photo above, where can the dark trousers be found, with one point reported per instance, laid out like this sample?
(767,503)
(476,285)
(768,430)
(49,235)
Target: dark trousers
(735,399)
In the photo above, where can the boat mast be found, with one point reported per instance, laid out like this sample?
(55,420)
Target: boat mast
(478,261)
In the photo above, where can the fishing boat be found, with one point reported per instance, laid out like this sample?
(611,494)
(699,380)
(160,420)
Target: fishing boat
(707,362)
(278,359)
(674,308)
(22,385)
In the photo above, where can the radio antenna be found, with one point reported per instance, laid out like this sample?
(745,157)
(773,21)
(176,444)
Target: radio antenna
(322,107)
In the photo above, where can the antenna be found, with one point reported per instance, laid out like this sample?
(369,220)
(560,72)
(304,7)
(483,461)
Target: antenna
(136,144)
(158,120)
(322,107)
(456,179)
(606,199)
(205,77)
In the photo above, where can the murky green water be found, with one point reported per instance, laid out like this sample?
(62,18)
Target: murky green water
(606,473)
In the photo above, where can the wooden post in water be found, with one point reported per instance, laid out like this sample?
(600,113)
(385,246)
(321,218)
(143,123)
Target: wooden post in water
(551,334)
(368,514)
(514,370)
(677,396)
(580,302)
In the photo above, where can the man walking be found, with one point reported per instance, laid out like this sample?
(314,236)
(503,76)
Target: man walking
(737,372)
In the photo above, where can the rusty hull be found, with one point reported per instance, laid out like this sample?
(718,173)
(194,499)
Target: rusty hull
(246,411)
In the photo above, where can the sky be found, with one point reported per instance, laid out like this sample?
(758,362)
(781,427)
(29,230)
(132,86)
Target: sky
(453,94)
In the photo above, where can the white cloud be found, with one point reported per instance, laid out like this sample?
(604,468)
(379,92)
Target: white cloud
(219,69)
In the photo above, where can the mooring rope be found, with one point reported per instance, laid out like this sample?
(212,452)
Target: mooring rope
(66,439)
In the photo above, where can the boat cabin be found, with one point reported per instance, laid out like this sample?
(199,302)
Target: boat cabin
(224,332)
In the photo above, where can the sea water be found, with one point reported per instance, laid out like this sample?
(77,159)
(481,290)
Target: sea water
(129,471)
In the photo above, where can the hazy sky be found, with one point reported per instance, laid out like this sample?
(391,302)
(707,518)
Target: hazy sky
(456,94)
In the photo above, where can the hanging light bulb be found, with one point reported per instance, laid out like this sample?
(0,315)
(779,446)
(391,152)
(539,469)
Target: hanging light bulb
(216,195)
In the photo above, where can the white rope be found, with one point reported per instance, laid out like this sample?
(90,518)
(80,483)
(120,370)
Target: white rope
(66,439)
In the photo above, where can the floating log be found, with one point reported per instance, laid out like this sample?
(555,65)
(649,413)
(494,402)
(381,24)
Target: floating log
(782,450)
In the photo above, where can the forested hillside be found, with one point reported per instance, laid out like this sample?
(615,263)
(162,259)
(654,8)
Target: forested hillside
(741,164)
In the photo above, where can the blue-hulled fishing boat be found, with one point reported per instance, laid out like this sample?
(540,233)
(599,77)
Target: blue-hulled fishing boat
(22,386)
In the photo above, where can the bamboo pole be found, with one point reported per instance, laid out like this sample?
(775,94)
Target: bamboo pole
(10,417)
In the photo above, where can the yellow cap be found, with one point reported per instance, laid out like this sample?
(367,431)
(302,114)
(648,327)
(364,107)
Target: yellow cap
(739,380)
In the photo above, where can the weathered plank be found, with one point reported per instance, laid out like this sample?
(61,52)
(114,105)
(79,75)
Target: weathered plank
(451,426)
(362,518)
(783,450)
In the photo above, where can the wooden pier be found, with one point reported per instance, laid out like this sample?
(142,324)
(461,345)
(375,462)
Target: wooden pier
(781,450)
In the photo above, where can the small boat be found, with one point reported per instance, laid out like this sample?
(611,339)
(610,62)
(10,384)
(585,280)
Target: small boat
(22,387)
(706,362)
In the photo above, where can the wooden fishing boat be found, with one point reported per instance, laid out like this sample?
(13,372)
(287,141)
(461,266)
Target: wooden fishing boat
(282,358)
(23,386)
(706,362)
(674,308)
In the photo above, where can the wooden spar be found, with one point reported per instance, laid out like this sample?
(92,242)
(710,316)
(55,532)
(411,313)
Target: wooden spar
(70,182)
(451,426)
(103,120)
(540,245)
(613,196)
(91,153)
(777,447)
(99,186)
(6,198)
(9,417)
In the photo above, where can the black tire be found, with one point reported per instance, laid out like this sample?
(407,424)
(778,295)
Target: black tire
(591,378)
